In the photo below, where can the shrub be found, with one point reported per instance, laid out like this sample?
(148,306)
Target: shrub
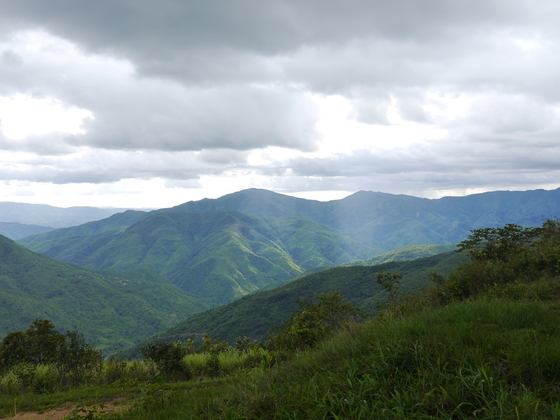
(10,384)
(316,319)
(167,356)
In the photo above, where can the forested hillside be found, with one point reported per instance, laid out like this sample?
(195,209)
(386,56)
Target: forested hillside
(253,315)
(111,311)
(217,255)
(388,221)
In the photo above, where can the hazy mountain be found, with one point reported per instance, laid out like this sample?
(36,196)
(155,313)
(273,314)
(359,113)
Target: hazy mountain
(112,312)
(55,217)
(384,221)
(113,223)
(16,231)
(388,221)
(218,255)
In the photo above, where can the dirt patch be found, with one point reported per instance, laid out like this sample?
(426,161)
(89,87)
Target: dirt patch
(59,412)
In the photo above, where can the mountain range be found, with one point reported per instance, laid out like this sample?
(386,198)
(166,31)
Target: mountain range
(141,272)
(222,249)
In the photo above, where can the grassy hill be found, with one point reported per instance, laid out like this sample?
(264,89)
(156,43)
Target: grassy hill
(217,255)
(407,253)
(253,315)
(487,359)
(112,312)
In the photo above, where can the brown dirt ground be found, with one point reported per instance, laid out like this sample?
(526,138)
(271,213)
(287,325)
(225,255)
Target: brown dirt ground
(59,412)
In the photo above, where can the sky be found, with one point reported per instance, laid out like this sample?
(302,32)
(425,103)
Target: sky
(146,104)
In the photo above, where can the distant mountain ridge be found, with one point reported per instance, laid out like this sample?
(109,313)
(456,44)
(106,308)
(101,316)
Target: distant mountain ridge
(56,217)
(14,230)
(388,221)
(270,238)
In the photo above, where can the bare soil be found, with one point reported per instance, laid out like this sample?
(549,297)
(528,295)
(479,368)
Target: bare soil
(59,412)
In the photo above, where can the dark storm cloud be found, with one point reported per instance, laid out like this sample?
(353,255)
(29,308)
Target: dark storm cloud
(228,77)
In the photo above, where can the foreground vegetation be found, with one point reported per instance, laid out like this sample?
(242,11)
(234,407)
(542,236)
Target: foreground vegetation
(483,342)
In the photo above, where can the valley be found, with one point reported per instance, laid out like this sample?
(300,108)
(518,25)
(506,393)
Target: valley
(203,254)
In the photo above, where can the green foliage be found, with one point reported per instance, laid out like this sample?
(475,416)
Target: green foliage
(77,358)
(87,413)
(498,244)
(317,318)
(39,344)
(31,355)
(167,356)
(212,346)
(507,255)
(390,283)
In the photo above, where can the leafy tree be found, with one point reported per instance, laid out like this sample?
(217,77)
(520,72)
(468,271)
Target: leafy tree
(317,318)
(498,244)
(390,282)
(77,357)
(505,255)
(167,356)
(212,346)
(41,343)
(13,349)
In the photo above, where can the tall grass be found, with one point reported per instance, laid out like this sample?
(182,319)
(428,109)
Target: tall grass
(488,358)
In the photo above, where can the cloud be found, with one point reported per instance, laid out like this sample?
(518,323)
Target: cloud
(132,112)
(436,93)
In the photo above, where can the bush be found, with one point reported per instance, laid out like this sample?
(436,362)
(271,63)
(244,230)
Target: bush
(167,356)
(316,319)
(10,384)
(42,345)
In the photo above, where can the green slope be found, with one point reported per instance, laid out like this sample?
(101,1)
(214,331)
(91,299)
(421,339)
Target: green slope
(254,315)
(481,359)
(112,312)
(216,255)
(406,253)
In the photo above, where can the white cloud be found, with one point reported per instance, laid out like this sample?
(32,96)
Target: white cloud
(23,116)
(201,98)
